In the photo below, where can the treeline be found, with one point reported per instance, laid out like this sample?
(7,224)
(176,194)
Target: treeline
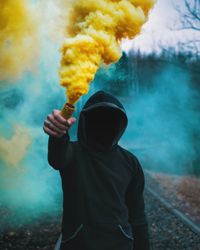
(136,72)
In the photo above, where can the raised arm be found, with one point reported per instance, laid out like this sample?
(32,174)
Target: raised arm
(59,147)
(136,207)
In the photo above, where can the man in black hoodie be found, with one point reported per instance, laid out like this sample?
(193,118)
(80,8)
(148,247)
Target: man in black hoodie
(103,205)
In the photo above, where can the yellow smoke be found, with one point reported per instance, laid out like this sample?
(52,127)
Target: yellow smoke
(94,31)
(13,150)
(18,38)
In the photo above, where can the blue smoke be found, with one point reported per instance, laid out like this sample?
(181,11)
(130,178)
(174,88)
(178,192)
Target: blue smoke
(164,121)
(32,188)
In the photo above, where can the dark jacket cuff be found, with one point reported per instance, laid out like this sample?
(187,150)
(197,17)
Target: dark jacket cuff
(141,237)
(62,140)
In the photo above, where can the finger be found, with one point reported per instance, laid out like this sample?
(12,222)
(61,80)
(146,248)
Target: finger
(58,117)
(51,126)
(52,133)
(56,123)
(71,121)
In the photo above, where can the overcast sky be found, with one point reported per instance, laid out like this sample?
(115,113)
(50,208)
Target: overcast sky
(156,30)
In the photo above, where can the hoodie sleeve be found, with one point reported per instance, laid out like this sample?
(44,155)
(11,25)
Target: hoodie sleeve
(60,152)
(136,207)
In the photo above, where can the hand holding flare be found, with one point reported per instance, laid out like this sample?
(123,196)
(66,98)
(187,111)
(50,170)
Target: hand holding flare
(56,125)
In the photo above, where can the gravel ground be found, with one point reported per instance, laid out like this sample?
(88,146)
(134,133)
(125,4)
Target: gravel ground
(166,231)
(40,235)
(182,191)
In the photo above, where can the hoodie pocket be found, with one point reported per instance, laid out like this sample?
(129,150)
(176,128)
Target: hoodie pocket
(71,232)
(126,230)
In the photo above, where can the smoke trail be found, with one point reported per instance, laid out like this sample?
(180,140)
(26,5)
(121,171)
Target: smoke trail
(95,29)
(18,38)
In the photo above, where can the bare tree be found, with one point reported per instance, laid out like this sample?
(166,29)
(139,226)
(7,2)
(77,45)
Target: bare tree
(189,12)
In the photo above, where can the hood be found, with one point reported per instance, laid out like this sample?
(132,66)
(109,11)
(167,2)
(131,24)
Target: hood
(102,122)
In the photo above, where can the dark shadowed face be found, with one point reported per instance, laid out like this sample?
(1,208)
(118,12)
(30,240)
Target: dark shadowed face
(102,125)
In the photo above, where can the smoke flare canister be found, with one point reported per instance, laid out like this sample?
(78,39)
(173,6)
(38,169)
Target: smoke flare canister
(67,110)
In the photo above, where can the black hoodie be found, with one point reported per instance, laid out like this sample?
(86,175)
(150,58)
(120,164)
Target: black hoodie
(103,206)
